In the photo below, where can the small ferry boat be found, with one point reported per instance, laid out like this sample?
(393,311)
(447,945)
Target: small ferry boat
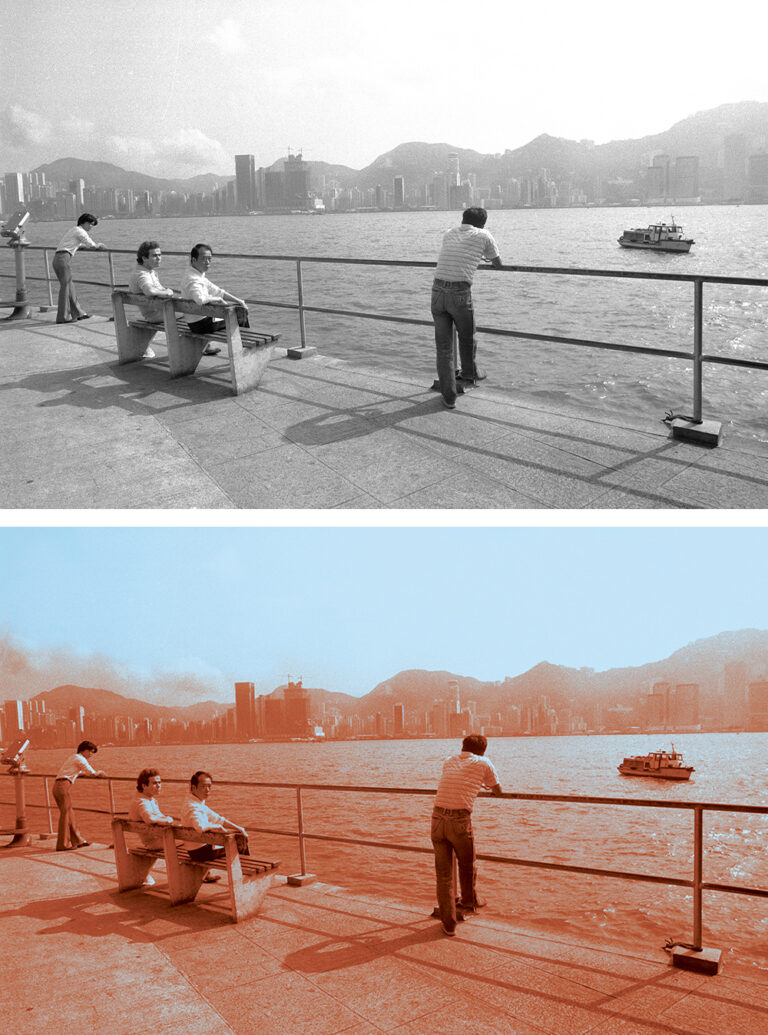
(658,237)
(665,765)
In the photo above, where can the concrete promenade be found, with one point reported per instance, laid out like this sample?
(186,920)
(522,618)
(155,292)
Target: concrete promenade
(79,431)
(78,956)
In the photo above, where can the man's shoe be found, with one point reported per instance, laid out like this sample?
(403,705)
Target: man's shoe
(211,350)
(211,878)
(449,404)
(149,354)
(479,903)
(450,931)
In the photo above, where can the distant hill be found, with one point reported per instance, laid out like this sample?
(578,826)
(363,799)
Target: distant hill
(108,703)
(703,134)
(700,662)
(102,174)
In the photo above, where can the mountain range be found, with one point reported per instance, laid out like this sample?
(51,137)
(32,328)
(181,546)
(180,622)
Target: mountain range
(703,134)
(700,662)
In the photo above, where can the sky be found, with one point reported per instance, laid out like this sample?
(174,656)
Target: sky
(179,614)
(177,87)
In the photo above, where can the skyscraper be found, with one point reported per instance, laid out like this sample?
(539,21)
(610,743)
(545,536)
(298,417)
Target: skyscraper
(245,710)
(399,188)
(686,178)
(245,182)
(14,190)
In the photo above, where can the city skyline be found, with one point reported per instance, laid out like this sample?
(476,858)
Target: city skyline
(293,77)
(182,614)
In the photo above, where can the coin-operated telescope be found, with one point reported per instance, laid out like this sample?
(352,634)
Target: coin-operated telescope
(13,229)
(13,756)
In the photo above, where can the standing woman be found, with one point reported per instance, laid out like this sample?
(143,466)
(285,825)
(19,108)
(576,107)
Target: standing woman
(77,237)
(76,765)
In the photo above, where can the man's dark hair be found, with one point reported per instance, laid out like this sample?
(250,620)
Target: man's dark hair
(195,778)
(144,777)
(142,252)
(87,218)
(86,745)
(475,217)
(475,743)
(196,250)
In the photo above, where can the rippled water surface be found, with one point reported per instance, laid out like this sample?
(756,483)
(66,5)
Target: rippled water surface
(730,241)
(730,769)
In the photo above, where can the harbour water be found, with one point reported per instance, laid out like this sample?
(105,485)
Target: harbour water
(730,241)
(730,769)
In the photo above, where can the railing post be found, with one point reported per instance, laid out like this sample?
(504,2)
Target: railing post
(303,349)
(698,365)
(44,309)
(697,429)
(299,879)
(48,810)
(111,797)
(698,869)
(111,271)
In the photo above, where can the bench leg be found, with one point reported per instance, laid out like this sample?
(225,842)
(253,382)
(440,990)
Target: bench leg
(245,893)
(132,869)
(132,342)
(184,879)
(246,365)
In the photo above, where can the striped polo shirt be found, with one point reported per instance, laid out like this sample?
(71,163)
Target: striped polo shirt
(462,777)
(463,248)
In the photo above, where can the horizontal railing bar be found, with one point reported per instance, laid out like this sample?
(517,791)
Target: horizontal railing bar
(735,889)
(685,278)
(572,799)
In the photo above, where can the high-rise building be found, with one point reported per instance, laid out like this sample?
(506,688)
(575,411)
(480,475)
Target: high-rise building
(399,720)
(14,190)
(663,179)
(686,178)
(735,167)
(14,718)
(245,710)
(757,178)
(245,182)
(296,700)
(399,191)
(685,706)
(758,704)
(296,182)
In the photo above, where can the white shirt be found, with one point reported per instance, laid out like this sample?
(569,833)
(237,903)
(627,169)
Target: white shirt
(74,239)
(462,777)
(197,287)
(146,282)
(200,817)
(76,765)
(463,248)
(147,810)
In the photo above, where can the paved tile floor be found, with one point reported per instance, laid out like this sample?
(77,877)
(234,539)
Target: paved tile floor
(79,431)
(81,957)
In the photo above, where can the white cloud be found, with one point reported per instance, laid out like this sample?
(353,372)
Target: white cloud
(191,150)
(20,128)
(77,127)
(226,36)
(136,151)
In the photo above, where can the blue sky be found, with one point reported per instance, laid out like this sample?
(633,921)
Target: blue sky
(178,87)
(181,613)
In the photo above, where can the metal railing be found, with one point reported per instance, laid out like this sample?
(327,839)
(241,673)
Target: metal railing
(696,356)
(696,883)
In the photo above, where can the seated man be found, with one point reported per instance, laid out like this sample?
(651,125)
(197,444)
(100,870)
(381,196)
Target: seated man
(201,817)
(197,288)
(144,281)
(145,809)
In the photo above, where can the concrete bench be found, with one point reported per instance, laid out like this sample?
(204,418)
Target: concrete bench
(248,351)
(249,879)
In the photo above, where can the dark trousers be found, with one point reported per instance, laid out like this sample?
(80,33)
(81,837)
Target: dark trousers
(452,834)
(68,304)
(62,795)
(212,324)
(208,852)
(452,307)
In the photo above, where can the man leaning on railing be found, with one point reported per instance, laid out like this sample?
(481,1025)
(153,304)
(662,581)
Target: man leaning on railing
(462,778)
